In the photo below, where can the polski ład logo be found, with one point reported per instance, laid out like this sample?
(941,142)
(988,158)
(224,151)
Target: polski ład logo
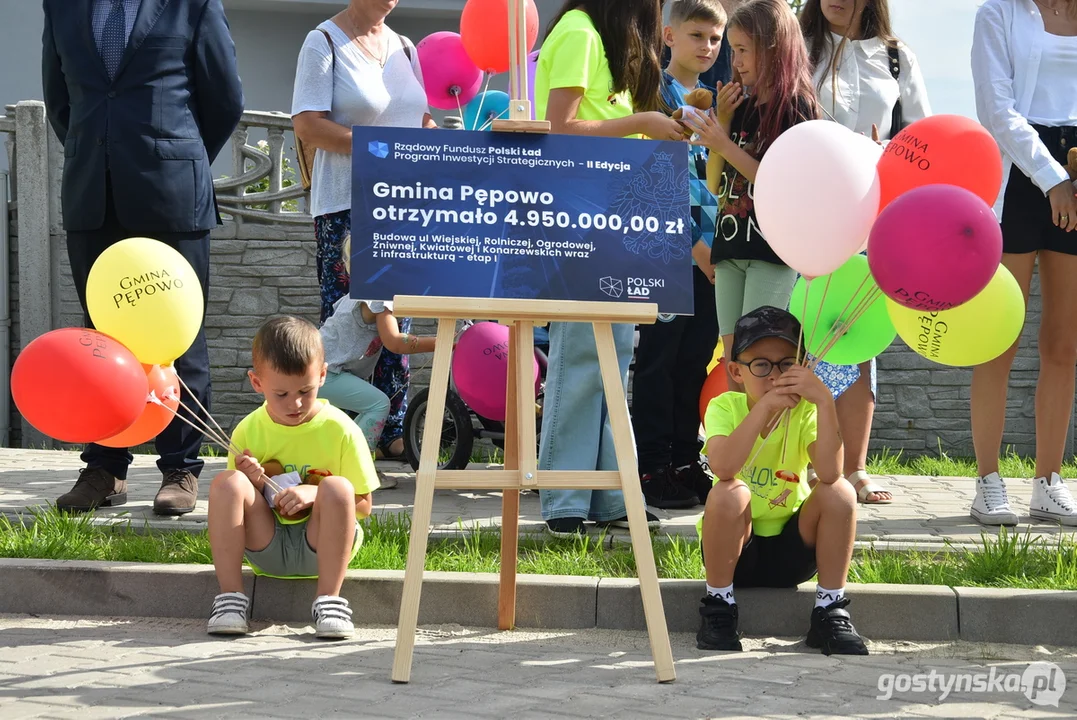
(611,286)
(378,149)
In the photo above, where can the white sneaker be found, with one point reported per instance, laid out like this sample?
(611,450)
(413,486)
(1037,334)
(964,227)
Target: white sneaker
(992,506)
(1051,500)
(332,617)
(229,615)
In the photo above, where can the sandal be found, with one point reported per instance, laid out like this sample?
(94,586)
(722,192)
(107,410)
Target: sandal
(868,487)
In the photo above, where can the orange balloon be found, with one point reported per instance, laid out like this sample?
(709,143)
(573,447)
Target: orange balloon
(484,30)
(945,150)
(164,385)
(717,382)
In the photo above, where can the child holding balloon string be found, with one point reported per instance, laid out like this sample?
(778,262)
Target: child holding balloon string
(771,91)
(599,75)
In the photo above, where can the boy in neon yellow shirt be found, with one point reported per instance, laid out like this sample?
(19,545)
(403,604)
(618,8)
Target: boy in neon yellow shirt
(322,465)
(764,526)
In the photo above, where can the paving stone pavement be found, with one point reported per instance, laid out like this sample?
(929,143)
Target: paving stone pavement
(926,511)
(126,667)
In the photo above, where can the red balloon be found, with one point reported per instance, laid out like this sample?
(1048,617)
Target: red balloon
(484,29)
(78,385)
(941,150)
(164,386)
(715,384)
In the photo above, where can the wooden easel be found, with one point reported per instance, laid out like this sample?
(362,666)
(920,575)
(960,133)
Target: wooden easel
(521,462)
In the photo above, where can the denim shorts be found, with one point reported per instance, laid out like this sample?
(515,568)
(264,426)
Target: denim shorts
(289,555)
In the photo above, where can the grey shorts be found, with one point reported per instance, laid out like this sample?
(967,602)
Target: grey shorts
(289,555)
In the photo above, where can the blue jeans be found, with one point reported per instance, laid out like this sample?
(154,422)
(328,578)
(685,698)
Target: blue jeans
(576,433)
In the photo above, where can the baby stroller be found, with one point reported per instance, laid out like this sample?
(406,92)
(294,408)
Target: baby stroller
(462,425)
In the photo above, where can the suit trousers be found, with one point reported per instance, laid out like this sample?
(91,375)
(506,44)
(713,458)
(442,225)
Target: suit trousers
(179,445)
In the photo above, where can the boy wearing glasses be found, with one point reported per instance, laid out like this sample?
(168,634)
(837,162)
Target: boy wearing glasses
(763,525)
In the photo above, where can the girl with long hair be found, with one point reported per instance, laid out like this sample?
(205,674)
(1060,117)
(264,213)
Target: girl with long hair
(598,74)
(771,91)
(870,82)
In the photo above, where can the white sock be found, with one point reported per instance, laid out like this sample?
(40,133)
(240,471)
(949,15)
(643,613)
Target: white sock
(726,593)
(824,597)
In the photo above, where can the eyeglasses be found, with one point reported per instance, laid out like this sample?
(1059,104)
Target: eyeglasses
(761,367)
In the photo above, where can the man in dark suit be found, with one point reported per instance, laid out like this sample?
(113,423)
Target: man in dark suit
(144,94)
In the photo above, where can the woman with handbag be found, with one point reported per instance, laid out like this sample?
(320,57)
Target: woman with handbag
(871,83)
(1024,66)
(353,70)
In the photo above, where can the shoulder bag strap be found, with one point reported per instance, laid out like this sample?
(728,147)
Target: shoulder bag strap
(897,120)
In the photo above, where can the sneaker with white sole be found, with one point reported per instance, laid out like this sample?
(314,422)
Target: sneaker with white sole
(992,505)
(229,614)
(1052,500)
(332,617)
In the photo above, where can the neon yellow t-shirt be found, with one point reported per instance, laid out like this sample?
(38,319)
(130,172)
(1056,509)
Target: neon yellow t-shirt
(573,56)
(328,441)
(778,489)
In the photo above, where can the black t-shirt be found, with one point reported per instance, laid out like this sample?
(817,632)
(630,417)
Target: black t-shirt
(738,236)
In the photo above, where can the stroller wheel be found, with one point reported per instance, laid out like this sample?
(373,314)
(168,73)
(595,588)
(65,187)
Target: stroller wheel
(457,433)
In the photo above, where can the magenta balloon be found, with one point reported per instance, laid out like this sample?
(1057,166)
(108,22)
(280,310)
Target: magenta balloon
(532,68)
(935,247)
(480,366)
(451,79)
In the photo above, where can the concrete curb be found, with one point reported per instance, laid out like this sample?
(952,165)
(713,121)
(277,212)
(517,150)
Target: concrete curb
(884,612)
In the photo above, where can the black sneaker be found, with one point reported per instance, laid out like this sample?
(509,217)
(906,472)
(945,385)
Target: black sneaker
(696,478)
(832,631)
(661,490)
(653,523)
(566,527)
(718,631)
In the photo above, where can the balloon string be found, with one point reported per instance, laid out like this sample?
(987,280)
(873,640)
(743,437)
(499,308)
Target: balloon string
(815,324)
(201,406)
(482,99)
(865,304)
(490,122)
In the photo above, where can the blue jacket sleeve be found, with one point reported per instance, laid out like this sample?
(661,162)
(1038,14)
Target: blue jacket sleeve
(216,79)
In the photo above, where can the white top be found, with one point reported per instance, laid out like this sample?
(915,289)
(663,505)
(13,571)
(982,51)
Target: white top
(1058,68)
(351,344)
(1007,50)
(866,92)
(356,92)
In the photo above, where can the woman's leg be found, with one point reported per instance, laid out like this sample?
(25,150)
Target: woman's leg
(572,415)
(331,231)
(392,375)
(1058,357)
(856,407)
(348,392)
(729,278)
(990,382)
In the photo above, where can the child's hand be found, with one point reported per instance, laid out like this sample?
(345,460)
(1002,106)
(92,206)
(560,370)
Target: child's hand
(729,99)
(659,126)
(708,131)
(294,500)
(250,467)
(801,382)
(775,401)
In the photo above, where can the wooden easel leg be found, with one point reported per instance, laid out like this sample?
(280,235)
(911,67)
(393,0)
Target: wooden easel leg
(425,481)
(510,501)
(637,519)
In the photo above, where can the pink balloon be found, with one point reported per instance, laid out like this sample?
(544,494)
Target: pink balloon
(451,79)
(480,366)
(935,247)
(816,195)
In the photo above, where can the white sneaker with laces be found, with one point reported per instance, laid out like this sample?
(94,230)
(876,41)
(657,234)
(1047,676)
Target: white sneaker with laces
(992,505)
(1052,500)
(332,617)
(229,615)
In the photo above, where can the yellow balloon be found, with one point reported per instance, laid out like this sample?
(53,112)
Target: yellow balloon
(146,295)
(719,350)
(969,334)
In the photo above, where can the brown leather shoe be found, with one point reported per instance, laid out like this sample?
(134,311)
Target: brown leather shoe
(178,493)
(95,488)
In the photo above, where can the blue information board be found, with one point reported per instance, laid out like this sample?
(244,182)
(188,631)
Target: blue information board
(518,215)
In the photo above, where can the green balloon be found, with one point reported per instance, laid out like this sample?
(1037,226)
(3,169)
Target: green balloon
(829,301)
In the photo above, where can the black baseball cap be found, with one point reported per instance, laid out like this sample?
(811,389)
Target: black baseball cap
(764,322)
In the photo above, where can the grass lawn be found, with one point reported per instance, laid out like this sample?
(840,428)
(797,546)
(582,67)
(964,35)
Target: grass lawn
(1011,560)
